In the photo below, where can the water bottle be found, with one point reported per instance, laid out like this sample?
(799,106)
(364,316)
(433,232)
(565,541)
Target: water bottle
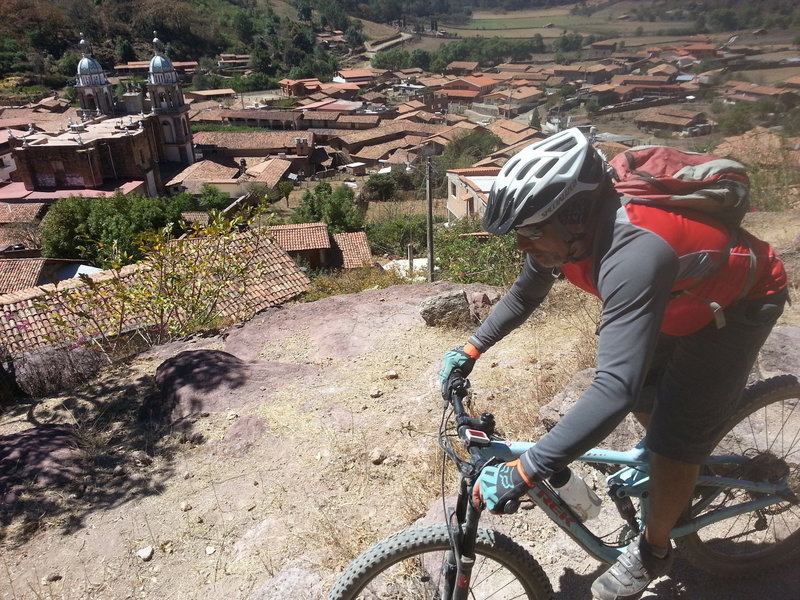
(574,491)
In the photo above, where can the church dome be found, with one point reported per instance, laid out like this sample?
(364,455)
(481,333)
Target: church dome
(161,64)
(89,66)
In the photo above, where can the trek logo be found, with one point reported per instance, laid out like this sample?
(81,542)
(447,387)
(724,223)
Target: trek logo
(559,200)
(562,514)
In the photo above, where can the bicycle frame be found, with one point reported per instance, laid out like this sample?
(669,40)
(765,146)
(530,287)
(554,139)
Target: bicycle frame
(632,481)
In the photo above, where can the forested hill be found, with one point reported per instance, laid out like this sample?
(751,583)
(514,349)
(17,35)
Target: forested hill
(39,38)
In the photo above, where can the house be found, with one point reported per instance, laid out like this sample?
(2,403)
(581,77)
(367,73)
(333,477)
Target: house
(21,273)
(351,251)
(360,77)
(293,146)
(299,87)
(468,190)
(101,156)
(740,91)
(212,172)
(701,51)
(311,244)
(668,118)
(233,62)
(602,48)
(219,94)
(307,243)
(512,132)
(458,67)
(516,100)
(31,315)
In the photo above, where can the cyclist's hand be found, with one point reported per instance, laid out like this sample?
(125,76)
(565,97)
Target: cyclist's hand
(499,487)
(460,359)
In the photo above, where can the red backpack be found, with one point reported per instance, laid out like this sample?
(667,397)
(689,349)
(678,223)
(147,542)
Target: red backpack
(675,179)
(672,178)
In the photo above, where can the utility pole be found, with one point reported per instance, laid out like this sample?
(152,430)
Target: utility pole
(429,220)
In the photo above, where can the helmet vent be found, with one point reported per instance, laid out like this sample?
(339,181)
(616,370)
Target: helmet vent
(524,170)
(563,145)
(545,167)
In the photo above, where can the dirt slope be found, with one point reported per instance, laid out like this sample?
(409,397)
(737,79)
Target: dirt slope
(314,441)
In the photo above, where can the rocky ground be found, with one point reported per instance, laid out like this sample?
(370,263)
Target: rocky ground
(298,439)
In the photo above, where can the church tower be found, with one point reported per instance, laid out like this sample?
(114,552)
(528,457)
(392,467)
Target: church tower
(166,99)
(95,93)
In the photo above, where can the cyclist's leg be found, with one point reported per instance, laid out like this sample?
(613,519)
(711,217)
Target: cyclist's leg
(698,389)
(699,382)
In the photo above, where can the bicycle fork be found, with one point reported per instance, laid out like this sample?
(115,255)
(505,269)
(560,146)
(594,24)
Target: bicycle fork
(462,524)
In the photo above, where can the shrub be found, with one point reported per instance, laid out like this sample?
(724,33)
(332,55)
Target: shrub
(350,282)
(394,235)
(469,258)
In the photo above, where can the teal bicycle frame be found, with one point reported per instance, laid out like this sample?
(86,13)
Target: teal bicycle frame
(632,481)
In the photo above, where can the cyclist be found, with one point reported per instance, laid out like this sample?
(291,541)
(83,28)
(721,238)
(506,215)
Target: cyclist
(661,353)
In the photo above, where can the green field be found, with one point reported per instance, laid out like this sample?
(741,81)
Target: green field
(552,22)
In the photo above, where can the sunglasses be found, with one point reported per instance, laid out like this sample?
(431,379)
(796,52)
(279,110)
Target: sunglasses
(533,231)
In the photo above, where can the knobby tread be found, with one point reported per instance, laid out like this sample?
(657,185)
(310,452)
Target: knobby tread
(435,537)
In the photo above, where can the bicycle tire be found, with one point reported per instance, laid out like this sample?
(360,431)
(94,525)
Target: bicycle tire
(752,543)
(407,565)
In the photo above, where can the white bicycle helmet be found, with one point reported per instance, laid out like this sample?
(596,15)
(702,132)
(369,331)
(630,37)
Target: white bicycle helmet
(540,179)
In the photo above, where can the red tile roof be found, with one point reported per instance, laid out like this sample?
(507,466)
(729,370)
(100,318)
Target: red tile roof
(19,273)
(303,236)
(28,318)
(353,249)
(21,212)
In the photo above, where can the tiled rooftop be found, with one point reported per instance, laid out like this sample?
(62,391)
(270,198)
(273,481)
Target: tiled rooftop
(19,273)
(21,212)
(243,140)
(353,249)
(300,237)
(28,318)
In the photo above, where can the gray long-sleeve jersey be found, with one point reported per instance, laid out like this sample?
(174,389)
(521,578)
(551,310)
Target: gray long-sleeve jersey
(634,270)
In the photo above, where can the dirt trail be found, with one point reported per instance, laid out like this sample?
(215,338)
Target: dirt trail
(310,450)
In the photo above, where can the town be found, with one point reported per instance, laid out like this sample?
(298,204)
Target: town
(365,122)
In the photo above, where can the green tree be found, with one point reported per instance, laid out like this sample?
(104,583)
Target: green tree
(391,60)
(284,189)
(469,259)
(380,187)
(336,208)
(65,227)
(736,120)
(420,58)
(723,19)
(105,231)
(124,51)
(212,198)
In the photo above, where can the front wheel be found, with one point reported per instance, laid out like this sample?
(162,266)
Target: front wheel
(409,566)
(766,429)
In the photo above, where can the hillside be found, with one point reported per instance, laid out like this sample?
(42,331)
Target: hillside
(307,435)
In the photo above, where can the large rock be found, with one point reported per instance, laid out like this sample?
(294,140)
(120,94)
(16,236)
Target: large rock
(451,309)
(198,381)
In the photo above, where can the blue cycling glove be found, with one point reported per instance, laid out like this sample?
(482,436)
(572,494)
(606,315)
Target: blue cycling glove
(499,487)
(461,359)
